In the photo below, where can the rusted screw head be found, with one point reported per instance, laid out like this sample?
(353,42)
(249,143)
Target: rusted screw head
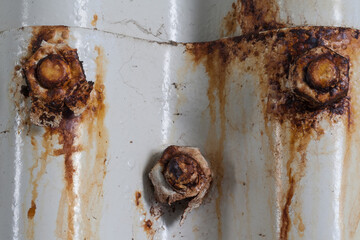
(320,77)
(182,172)
(52,71)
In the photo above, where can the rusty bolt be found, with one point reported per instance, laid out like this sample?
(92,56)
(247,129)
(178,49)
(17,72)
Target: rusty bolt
(52,71)
(320,77)
(182,172)
(57,84)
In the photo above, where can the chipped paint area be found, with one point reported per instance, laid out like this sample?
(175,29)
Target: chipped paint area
(248,16)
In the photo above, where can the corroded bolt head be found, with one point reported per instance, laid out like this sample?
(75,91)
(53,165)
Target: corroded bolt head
(320,77)
(322,73)
(52,71)
(182,172)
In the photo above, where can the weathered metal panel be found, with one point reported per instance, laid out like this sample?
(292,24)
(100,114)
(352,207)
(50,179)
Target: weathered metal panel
(184,21)
(281,170)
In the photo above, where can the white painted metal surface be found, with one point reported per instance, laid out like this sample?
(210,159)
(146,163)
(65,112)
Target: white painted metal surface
(163,20)
(146,113)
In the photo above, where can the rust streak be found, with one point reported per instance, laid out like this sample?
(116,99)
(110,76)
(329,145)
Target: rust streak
(215,61)
(53,34)
(98,138)
(41,160)
(67,133)
(147,224)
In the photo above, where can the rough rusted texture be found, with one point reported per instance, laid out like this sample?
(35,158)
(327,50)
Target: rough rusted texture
(251,16)
(268,56)
(320,77)
(181,173)
(55,78)
(67,133)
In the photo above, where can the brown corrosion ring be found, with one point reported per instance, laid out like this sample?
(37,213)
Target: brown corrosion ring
(181,173)
(320,77)
(57,82)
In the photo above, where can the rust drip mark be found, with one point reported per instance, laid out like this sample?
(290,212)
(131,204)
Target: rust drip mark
(216,59)
(93,118)
(295,168)
(251,16)
(52,34)
(94,20)
(283,108)
(68,133)
(273,52)
(41,160)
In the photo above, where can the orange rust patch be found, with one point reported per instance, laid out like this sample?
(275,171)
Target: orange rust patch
(251,16)
(32,209)
(94,21)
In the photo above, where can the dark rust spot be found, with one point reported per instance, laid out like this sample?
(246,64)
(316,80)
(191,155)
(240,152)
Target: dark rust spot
(25,91)
(137,198)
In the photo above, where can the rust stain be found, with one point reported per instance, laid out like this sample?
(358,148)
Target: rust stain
(350,190)
(274,52)
(94,20)
(41,160)
(70,141)
(251,16)
(67,133)
(56,34)
(215,58)
(32,209)
(295,167)
(98,138)
(150,232)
